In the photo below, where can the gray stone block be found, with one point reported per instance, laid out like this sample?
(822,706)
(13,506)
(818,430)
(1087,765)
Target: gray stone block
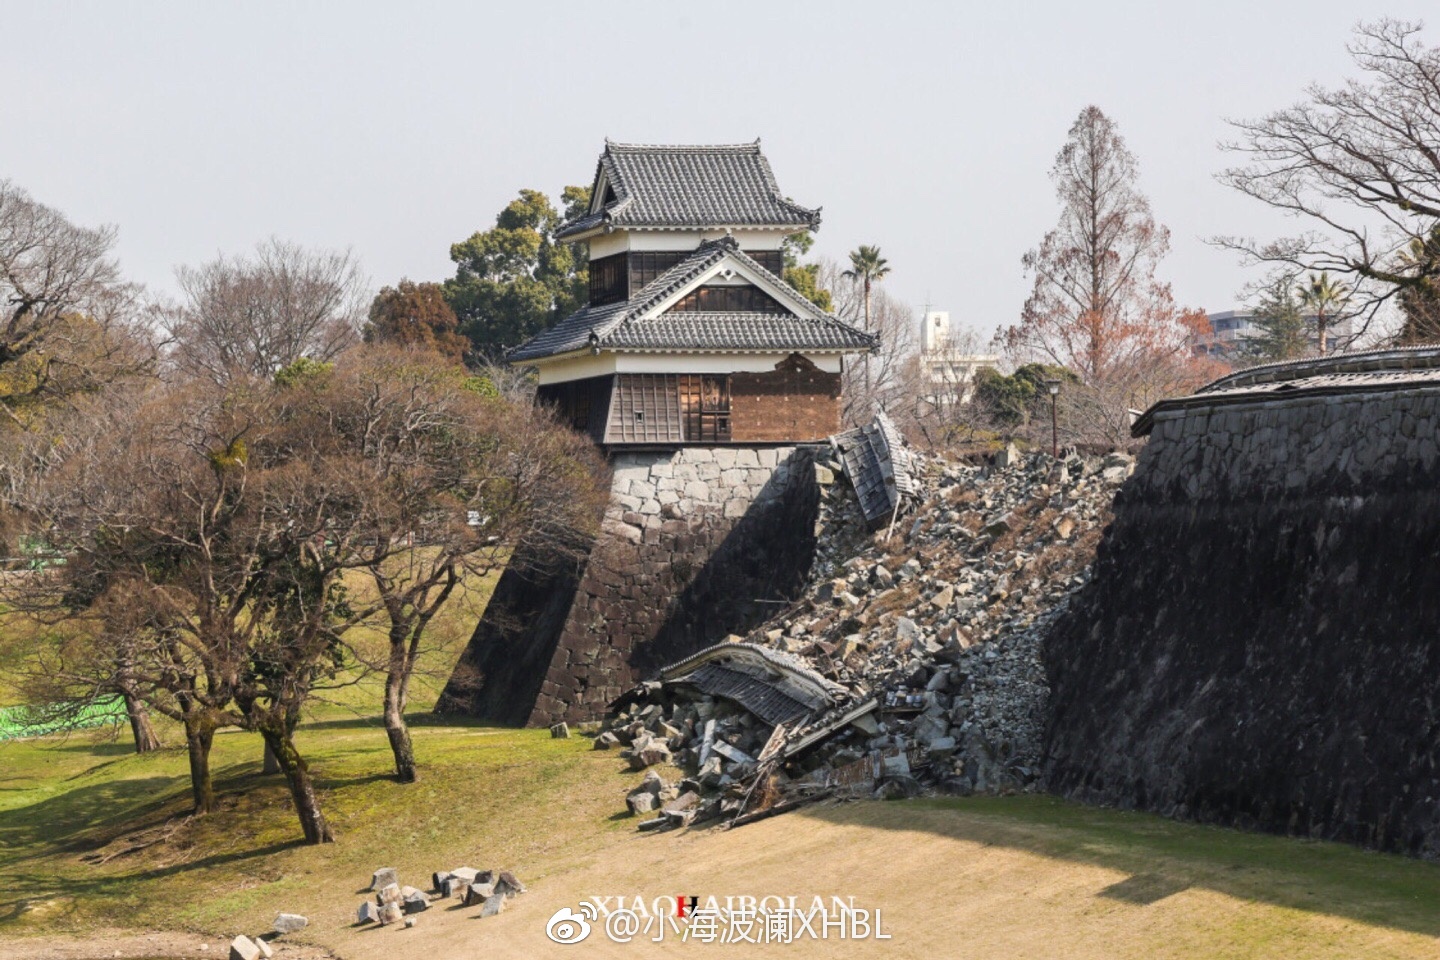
(242,948)
(382,878)
(289,923)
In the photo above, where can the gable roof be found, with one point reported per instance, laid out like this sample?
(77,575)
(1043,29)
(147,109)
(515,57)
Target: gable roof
(678,187)
(641,323)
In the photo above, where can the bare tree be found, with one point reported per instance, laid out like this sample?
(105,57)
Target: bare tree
(437,477)
(1096,307)
(251,316)
(1358,165)
(67,319)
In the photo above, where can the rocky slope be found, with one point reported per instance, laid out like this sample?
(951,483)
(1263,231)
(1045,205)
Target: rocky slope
(937,619)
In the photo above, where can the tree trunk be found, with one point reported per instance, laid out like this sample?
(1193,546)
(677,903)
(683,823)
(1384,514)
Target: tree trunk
(868,398)
(302,788)
(199,735)
(140,726)
(272,764)
(397,693)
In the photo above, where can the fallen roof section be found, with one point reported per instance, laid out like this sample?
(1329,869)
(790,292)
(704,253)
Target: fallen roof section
(879,467)
(774,686)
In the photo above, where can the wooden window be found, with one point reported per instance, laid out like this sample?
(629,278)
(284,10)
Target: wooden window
(729,299)
(607,280)
(772,260)
(705,400)
(646,266)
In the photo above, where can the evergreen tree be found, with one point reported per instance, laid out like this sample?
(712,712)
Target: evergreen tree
(515,279)
(1280,327)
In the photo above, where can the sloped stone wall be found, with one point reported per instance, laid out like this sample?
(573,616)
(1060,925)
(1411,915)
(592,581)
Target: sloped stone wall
(695,544)
(1260,642)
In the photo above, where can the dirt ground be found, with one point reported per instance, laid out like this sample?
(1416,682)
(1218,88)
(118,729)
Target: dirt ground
(944,885)
(154,945)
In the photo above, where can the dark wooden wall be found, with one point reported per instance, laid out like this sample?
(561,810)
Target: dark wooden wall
(795,402)
(583,404)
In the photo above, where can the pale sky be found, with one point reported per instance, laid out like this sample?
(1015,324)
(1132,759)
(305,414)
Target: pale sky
(397,129)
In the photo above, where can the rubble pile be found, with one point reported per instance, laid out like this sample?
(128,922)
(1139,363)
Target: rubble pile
(393,903)
(911,664)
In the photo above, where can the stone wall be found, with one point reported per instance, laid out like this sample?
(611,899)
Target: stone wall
(695,544)
(1258,645)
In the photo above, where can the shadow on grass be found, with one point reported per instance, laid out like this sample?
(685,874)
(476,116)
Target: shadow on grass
(42,886)
(65,821)
(1165,857)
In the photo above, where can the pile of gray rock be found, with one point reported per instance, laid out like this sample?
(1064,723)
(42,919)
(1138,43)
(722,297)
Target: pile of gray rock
(396,903)
(929,629)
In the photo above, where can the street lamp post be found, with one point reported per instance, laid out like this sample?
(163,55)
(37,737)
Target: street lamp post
(1054,387)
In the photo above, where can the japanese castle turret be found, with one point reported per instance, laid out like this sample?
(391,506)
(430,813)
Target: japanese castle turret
(690,335)
(707,380)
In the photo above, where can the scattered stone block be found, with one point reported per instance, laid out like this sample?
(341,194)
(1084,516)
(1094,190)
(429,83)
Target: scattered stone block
(455,887)
(641,801)
(383,878)
(478,893)
(560,731)
(493,905)
(653,752)
(896,766)
(731,753)
(289,923)
(467,874)
(391,912)
(509,884)
(389,894)
(265,952)
(606,741)
(368,913)
(438,878)
(416,902)
(243,948)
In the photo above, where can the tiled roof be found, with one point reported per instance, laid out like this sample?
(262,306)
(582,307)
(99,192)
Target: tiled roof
(879,467)
(622,325)
(679,187)
(1375,371)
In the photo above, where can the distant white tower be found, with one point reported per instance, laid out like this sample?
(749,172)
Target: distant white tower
(934,331)
(949,373)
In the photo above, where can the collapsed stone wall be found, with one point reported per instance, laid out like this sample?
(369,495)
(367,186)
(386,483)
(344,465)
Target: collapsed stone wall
(1258,644)
(695,544)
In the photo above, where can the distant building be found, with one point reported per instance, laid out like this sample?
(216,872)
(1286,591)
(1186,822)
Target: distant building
(947,366)
(1233,327)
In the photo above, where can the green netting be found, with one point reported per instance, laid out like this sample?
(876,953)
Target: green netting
(16,722)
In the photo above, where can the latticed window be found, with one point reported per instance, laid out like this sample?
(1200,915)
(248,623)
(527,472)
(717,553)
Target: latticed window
(706,403)
(607,280)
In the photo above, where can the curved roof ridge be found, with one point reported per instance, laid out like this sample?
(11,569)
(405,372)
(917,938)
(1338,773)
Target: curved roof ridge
(1422,356)
(751,147)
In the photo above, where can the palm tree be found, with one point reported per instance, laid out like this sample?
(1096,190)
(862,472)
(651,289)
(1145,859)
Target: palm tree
(1325,298)
(867,267)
